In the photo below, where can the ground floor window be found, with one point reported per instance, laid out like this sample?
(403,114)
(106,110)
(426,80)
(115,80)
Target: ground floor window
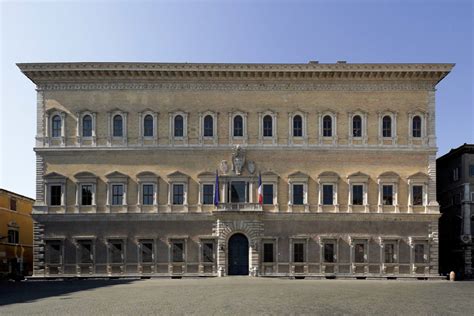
(359,253)
(116,251)
(53,252)
(419,253)
(177,251)
(146,251)
(329,252)
(389,253)
(298,252)
(268,255)
(85,251)
(208,251)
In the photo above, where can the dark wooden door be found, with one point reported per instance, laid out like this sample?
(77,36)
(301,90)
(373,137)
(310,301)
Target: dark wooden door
(238,259)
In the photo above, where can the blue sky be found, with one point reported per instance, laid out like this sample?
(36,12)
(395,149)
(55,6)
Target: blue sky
(228,31)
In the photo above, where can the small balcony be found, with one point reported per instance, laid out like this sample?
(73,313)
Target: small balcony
(239,207)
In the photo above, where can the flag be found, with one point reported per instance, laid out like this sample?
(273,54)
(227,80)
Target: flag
(216,190)
(260,189)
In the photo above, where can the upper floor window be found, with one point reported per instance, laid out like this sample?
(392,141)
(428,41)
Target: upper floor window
(178,126)
(148,194)
(87,126)
(267,194)
(86,194)
(357,194)
(56,126)
(456,174)
(471,170)
(13,236)
(238,126)
(357,126)
(148,126)
(267,126)
(328,194)
(13,204)
(178,194)
(55,195)
(416,126)
(208,194)
(117,194)
(417,194)
(387,126)
(118,126)
(327,126)
(298,194)
(208,126)
(387,194)
(297,126)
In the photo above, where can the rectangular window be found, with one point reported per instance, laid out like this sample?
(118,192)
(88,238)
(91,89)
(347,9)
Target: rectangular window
(53,252)
(298,194)
(359,253)
(268,252)
(116,251)
(208,251)
(13,204)
(328,194)
(298,252)
(357,194)
(389,251)
(178,194)
(85,251)
(419,253)
(471,170)
(208,194)
(86,194)
(387,192)
(177,249)
(455,174)
(417,195)
(238,191)
(148,193)
(146,251)
(117,194)
(13,236)
(55,196)
(268,194)
(329,251)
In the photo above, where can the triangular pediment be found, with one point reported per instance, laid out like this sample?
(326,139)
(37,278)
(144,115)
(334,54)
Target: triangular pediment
(206,174)
(358,174)
(328,174)
(269,173)
(177,174)
(115,174)
(84,174)
(54,175)
(146,174)
(298,174)
(389,174)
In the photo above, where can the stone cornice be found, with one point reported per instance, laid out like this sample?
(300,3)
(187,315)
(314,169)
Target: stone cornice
(46,73)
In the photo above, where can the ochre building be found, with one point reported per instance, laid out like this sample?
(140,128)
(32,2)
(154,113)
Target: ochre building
(295,170)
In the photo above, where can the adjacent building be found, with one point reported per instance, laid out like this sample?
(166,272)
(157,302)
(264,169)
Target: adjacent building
(295,170)
(16,234)
(456,198)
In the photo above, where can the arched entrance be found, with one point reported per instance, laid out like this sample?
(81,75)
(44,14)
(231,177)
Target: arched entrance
(238,255)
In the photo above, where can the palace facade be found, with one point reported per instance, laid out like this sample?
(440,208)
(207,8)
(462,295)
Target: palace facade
(154,169)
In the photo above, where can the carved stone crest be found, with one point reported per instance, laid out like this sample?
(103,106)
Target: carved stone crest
(251,166)
(224,166)
(238,160)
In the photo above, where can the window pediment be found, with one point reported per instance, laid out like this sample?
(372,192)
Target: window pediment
(55,177)
(419,176)
(178,176)
(85,176)
(116,177)
(298,176)
(388,176)
(328,176)
(207,176)
(147,176)
(358,177)
(269,176)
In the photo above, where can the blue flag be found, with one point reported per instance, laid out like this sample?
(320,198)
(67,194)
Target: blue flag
(216,190)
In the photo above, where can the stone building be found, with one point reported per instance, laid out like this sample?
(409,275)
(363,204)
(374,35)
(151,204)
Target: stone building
(456,198)
(132,156)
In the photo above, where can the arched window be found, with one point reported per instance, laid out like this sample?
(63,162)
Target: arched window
(148,126)
(387,126)
(357,126)
(87,126)
(238,126)
(178,126)
(267,126)
(118,126)
(56,126)
(416,127)
(208,126)
(297,126)
(327,126)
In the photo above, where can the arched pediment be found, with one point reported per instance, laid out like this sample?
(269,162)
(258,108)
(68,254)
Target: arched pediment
(84,174)
(115,174)
(298,176)
(389,174)
(358,176)
(419,175)
(328,176)
(206,174)
(178,176)
(52,175)
(146,174)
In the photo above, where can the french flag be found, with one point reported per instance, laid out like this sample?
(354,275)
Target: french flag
(260,189)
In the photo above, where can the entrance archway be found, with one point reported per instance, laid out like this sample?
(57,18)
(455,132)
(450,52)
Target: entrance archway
(238,255)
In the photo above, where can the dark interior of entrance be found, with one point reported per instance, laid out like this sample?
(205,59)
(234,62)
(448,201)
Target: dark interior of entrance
(238,255)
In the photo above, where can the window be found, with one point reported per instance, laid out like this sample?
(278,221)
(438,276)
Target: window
(177,251)
(116,251)
(389,252)
(268,194)
(208,126)
(87,126)
(327,126)
(178,194)
(267,126)
(56,126)
(208,194)
(85,251)
(117,194)
(148,126)
(86,194)
(178,126)
(118,126)
(298,194)
(298,252)
(357,194)
(471,170)
(297,126)
(12,204)
(268,252)
(238,191)
(329,251)
(417,195)
(456,174)
(419,253)
(387,194)
(328,195)
(146,251)
(357,126)
(416,126)
(13,236)
(238,126)
(387,126)
(148,192)
(53,252)
(55,196)
(359,253)
(208,252)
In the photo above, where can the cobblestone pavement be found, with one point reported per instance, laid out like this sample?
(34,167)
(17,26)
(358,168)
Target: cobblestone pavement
(236,296)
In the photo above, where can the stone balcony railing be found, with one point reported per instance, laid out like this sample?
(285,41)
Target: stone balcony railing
(240,207)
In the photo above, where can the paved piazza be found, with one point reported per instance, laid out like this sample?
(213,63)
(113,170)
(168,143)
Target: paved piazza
(236,295)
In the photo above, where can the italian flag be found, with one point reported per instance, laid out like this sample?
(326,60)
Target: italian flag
(260,189)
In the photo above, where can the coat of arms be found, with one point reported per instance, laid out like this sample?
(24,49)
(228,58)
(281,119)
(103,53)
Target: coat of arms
(224,166)
(251,166)
(238,159)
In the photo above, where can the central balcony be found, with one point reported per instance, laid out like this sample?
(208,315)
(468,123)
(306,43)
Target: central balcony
(239,207)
